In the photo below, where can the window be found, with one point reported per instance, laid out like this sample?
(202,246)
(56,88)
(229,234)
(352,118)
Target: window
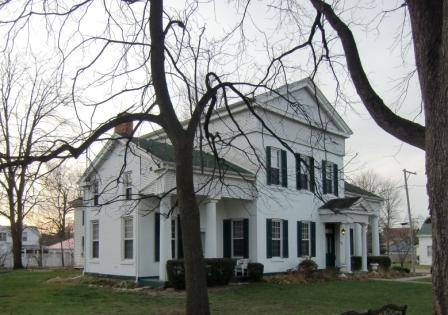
(429,251)
(83,216)
(24,236)
(96,193)
(276,238)
(238,238)
(329,178)
(305,240)
(2,237)
(127,182)
(276,167)
(128,238)
(95,239)
(305,172)
(173,239)
(82,246)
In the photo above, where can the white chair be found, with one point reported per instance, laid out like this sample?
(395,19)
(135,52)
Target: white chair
(241,267)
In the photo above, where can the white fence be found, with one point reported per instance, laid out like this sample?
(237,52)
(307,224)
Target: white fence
(31,260)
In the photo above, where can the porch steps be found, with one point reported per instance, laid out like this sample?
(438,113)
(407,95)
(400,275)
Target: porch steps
(151,282)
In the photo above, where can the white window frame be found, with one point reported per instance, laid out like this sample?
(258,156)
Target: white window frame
(306,232)
(3,239)
(329,177)
(127,237)
(304,165)
(127,185)
(93,239)
(24,236)
(280,238)
(276,156)
(233,237)
(429,250)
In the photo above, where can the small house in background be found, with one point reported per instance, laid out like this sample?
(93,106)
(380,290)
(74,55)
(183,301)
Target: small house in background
(424,248)
(53,254)
(30,246)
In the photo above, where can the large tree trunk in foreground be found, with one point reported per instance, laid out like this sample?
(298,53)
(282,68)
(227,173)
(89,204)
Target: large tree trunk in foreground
(195,275)
(16,233)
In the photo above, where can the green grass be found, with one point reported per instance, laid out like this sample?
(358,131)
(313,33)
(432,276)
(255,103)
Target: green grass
(30,293)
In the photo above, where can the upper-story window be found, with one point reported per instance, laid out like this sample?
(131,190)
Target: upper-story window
(2,236)
(276,167)
(127,183)
(329,178)
(305,172)
(96,193)
(24,236)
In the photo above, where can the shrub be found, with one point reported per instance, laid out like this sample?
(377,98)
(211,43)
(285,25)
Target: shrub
(219,272)
(401,269)
(356,263)
(383,262)
(307,267)
(255,272)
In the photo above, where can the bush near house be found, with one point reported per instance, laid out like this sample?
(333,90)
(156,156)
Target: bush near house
(307,267)
(383,262)
(219,272)
(255,272)
(401,269)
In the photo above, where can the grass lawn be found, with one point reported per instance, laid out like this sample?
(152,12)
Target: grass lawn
(30,293)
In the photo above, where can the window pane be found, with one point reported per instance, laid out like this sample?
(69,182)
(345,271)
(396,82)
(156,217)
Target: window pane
(305,231)
(238,247)
(275,176)
(128,228)
(95,249)
(305,248)
(238,229)
(128,249)
(276,229)
(276,248)
(429,250)
(95,231)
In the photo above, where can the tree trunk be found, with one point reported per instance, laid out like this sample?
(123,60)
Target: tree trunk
(195,274)
(16,233)
(62,253)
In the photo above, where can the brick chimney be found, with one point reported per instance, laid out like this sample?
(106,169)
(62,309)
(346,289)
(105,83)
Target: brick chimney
(125,129)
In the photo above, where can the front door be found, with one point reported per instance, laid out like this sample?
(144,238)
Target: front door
(330,246)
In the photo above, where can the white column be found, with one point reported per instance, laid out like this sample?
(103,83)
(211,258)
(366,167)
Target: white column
(364,247)
(211,229)
(374,224)
(165,237)
(348,261)
(357,239)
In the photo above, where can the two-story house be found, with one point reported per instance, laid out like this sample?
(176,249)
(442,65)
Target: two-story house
(30,245)
(274,199)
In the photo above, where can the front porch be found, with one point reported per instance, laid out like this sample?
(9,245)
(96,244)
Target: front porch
(346,224)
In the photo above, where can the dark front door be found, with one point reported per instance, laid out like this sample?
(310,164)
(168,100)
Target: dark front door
(330,251)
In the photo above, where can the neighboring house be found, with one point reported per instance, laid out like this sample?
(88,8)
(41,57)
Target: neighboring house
(296,207)
(53,254)
(400,250)
(30,246)
(424,248)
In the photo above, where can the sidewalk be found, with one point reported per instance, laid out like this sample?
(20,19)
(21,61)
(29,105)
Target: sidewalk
(407,279)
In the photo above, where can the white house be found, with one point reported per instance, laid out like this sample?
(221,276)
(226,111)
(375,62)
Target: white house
(424,248)
(272,205)
(30,246)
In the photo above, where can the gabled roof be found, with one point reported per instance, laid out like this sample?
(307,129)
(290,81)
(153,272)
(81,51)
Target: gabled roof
(350,188)
(340,203)
(165,152)
(426,229)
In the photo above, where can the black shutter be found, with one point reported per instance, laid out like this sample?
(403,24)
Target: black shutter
(268,166)
(335,177)
(324,177)
(313,239)
(312,178)
(246,237)
(180,249)
(285,239)
(284,169)
(351,242)
(298,172)
(227,245)
(299,239)
(269,238)
(157,236)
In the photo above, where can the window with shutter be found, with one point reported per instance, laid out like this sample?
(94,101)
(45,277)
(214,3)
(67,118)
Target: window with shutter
(276,167)
(305,172)
(330,178)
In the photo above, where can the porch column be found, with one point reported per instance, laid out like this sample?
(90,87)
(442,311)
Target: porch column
(364,247)
(165,237)
(374,223)
(211,229)
(348,260)
(358,239)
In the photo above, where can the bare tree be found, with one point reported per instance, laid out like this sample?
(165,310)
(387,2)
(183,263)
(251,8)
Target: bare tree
(27,103)
(54,214)
(388,190)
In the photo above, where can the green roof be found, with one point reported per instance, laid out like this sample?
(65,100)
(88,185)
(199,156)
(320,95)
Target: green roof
(426,229)
(350,188)
(340,203)
(165,152)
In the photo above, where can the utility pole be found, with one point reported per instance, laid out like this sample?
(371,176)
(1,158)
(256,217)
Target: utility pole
(411,228)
